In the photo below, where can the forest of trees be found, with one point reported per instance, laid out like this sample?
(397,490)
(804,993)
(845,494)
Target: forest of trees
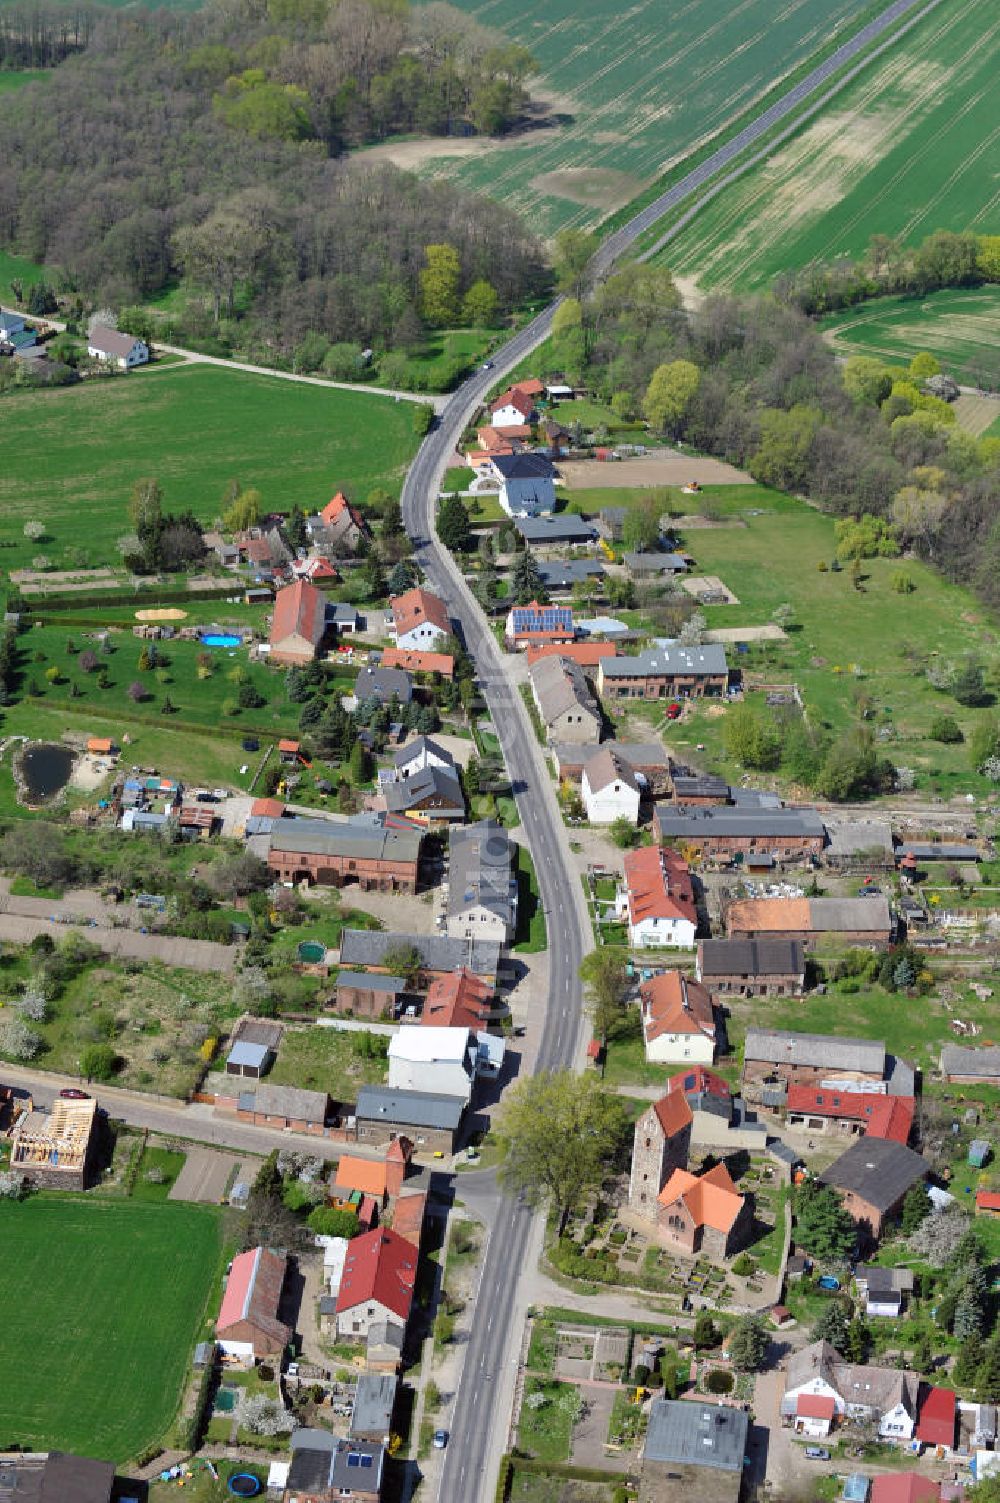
(207,145)
(41,36)
(752,380)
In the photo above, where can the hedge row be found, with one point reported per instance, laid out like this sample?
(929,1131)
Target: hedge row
(144,599)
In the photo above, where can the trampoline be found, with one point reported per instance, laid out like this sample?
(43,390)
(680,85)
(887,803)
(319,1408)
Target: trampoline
(244,1485)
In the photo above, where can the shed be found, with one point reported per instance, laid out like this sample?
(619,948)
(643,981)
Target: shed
(245,1058)
(979,1152)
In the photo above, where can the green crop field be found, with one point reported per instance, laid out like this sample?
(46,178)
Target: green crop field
(906,149)
(73,455)
(961,327)
(103,1302)
(629,94)
(11,81)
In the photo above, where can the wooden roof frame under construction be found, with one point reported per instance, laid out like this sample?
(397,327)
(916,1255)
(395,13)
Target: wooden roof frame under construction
(59,1139)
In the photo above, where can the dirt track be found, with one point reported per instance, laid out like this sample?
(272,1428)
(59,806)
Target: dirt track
(659,467)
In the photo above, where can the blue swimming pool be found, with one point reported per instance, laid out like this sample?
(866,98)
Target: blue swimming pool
(220,639)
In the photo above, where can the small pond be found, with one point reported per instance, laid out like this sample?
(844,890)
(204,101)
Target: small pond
(45,769)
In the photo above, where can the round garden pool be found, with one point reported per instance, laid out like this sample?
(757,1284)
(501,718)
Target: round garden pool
(220,639)
(244,1485)
(311,952)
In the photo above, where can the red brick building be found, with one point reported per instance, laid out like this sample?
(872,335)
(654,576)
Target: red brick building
(319,851)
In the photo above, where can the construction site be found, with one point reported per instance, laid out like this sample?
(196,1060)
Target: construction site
(54,1149)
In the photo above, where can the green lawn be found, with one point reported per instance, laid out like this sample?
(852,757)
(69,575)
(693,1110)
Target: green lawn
(545,1432)
(11,81)
(912,1027)
(157,1161)
(331,1060)
(712,501)
(961,326)
(620,124)
(175,753)
(103,1301)
(446,355)
(902,151)
(195,699)
(17,266)
(530,937)
(75,453)
(844,642)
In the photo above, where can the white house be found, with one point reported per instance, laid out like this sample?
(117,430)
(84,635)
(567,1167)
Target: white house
(610,789)
(111,345)
(10,324)
(821,1387)
(419,620)
(678,1020)
(442,1061)
(420,754)
(376,1286)
(657,900)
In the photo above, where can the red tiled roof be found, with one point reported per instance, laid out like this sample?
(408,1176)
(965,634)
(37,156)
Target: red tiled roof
(419,662)
(587,654)
(673,1004)
(903,1487)
(514,398)
(366,1175)
(674,1110)
(284,745)
(458,1000)
(659,885)
(884,1116)
(408,1217)
(380,1265)
(711,1198)
(299,610)
(987,1200)
(936,1417)
(815,1406)
(336,508)
(416,606)
(673,1113)
(267,808)
(532,387)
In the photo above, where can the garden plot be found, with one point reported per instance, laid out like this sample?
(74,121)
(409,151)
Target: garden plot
(709,589)
(657,467)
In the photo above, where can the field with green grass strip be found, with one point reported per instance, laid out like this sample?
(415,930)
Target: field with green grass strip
(630,92)
(103,1302)
(73,454)
(905,150)
(960,326)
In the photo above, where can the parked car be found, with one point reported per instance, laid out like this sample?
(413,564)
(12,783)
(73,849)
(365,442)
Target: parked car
(440,1439)
(71,1094)
(817,1453)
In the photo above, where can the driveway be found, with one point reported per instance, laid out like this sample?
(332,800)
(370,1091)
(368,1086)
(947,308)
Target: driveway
(205,1176)
(591,1429)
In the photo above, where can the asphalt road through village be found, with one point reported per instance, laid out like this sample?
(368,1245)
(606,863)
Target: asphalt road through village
(481,1412)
